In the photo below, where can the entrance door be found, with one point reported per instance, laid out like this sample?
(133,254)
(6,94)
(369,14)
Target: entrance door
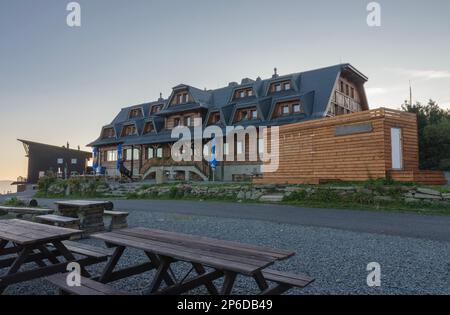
(396,148)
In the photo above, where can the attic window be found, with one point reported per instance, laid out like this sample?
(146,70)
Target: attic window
(148,127)
(289,108)
(128,130)
(246,114)
(108,133)
(214,118)
(181,98)
(243,93)
(155,109)
(280,86)
(135,113)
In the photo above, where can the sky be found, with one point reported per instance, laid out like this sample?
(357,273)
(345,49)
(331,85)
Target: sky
(61,84)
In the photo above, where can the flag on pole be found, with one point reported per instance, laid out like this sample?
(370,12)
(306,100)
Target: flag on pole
(213,163)
(119,156)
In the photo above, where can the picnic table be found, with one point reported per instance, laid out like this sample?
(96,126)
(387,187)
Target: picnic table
(23,242)
(90,213)
(211,259)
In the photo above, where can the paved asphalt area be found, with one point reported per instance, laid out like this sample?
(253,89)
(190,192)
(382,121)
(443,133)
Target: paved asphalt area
(333,246)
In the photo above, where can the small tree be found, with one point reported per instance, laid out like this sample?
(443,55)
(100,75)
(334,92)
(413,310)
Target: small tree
(433,125)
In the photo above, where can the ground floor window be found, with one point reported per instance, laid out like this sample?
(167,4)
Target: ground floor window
(111,155)
(132,154)
(159,153)
(150,153)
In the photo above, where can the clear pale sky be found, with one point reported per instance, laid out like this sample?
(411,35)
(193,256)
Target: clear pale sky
(60,84)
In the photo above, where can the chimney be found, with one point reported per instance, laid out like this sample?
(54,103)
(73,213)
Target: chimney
(275,74)
(68,147)
(160,97)
(232,84)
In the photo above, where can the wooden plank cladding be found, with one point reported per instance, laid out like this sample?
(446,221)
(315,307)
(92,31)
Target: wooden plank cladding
(354,147)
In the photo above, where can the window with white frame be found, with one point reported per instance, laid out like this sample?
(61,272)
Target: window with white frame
(150,153)
(111,155)
(159,153)
(240,147)
(74,161)
(226,149)
(60,161)
(132,154)
(261,146)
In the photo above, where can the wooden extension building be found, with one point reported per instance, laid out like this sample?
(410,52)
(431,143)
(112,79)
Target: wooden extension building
(327,132)
(379,143)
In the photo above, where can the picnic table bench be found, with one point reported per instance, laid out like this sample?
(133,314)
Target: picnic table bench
(43,246)
(22,211)
(224,259)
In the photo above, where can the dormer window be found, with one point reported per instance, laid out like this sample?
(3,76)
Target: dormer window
(289,108)
(214,118)
(243,93)
(148,127)
(280,86)
(296,108)
(108,133)
(246,114)
(181,98)
(128,130)
(156,109)
(136,113)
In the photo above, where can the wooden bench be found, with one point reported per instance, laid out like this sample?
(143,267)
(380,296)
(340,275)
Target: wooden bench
(88,250)
(118,219)
(285,281)
(57,220)
(21,212)
(88,286)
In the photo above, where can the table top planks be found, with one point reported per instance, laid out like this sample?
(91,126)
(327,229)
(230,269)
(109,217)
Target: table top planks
(81,203)
(24,232)
(226,255)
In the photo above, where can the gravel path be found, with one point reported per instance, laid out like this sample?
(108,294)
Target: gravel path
(336,258)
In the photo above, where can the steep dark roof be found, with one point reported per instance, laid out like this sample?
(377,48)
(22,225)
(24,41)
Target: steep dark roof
(313,88)
(55,147)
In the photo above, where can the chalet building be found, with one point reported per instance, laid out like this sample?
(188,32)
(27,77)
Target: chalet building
(138,142)
(62,161)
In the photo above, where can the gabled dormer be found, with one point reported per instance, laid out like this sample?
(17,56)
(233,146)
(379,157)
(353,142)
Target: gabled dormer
(108,133)
(181,96)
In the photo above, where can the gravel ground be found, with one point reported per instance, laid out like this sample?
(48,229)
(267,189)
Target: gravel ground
(337,259)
